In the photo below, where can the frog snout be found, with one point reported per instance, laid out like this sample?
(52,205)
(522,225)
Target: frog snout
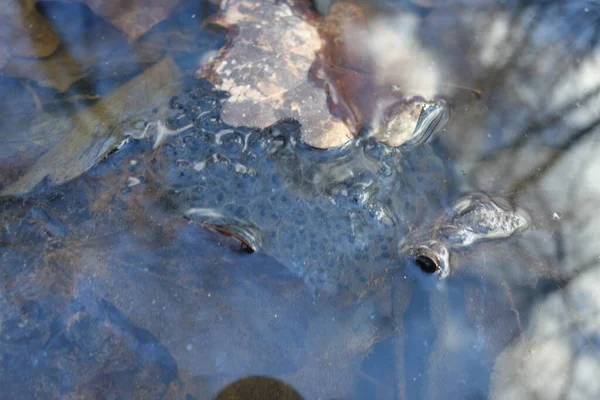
(473,218)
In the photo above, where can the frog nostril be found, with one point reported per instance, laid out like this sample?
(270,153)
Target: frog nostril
(427,264)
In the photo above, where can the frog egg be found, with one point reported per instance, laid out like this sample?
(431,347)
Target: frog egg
(300,216)
(231,142)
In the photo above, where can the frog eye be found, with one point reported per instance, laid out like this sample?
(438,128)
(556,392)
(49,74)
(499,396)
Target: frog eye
(431,258)
(427,264)
(248,235)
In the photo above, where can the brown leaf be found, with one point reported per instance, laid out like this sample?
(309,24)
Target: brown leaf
(27,32)
(111,57)
(320,73)
(90,134)
(134,17)
(67,65)
(266,66)
(59,71)
(366,90)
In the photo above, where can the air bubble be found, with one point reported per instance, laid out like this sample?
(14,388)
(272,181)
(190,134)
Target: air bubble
(377,151)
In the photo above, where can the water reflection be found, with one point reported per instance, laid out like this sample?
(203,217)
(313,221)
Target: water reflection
(108,295)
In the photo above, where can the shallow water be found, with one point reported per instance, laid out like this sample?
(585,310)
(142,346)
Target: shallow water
(112,287)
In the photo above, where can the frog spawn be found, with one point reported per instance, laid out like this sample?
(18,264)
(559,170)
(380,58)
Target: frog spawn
(337,218)
(263,189)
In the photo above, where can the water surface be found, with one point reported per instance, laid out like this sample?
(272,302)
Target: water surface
(108,290)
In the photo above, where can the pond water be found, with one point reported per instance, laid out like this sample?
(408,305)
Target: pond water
(150,249)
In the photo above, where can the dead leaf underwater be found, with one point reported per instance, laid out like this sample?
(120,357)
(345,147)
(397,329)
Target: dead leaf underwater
(47,44)
(94,131)
(284,62)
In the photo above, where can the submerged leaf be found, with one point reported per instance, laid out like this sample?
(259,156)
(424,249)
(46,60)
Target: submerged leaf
(26,31)
(93,132)
(321,73)
(79,57)
(134,17)
(377,77)
(266,66)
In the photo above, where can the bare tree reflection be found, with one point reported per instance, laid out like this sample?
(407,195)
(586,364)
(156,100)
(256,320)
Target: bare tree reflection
(534,136)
